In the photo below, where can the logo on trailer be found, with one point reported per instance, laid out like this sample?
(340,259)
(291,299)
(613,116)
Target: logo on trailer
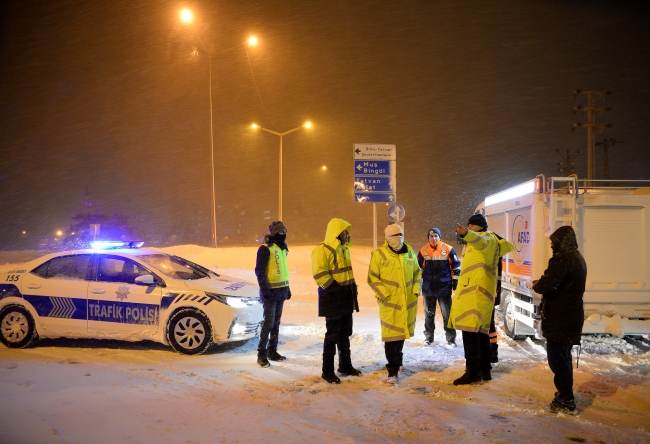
(520,238)
(122,292)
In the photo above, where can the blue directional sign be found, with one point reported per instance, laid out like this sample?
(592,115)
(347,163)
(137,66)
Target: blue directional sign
(374,183)
(373,167)
(374,197)
(374,173)
(396,212)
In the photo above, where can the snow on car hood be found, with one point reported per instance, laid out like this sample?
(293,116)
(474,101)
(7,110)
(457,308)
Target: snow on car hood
(225,285)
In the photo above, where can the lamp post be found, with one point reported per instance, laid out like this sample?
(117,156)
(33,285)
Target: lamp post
(188,17)
(281,135)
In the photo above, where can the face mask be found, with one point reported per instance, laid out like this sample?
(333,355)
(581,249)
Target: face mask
(280,237)
(396,242)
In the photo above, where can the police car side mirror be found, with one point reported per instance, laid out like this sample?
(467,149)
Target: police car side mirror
(145,279)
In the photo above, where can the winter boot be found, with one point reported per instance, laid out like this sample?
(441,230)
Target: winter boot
(393,377)
(558,407)
(345,365)
(328,369)
(275,356)
(262,359)
(468,378)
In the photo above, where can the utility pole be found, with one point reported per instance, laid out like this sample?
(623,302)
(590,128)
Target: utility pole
(590,125)
(567,167)
(605,144)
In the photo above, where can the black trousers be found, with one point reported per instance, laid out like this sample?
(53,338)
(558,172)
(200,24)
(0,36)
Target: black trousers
(477,352)
(394,355)
(270,326)
(337,336)
(430,315)
(560,361)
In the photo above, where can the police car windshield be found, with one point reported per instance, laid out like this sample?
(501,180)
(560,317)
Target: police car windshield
(176,267)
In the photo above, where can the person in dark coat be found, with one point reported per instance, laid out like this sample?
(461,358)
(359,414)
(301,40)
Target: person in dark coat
(562,287)
(337,297)
(273,279)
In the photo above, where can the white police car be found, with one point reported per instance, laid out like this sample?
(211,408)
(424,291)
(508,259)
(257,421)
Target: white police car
(125,293)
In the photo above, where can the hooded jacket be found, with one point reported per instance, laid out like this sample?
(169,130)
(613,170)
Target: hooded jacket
(332,270)
(396,279)
(471,306)
(562,287)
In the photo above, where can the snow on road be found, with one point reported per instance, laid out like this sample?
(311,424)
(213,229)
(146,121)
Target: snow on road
(71,390)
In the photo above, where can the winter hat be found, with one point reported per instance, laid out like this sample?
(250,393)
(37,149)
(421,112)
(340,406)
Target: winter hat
(478,219)
(435,230)
(276,227)
(393,229)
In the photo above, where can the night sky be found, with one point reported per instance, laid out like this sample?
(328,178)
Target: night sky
(104,102)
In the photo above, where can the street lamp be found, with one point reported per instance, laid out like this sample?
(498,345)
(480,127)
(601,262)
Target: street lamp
(257,127)
(188,17)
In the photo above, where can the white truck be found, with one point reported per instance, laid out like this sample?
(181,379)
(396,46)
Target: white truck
(612,225)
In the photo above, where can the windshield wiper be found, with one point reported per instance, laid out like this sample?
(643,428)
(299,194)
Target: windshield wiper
(201,268)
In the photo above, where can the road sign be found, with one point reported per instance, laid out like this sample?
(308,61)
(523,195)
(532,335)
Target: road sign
(374,197)
(375,151)
(374,167)
(396,212)
(362,183)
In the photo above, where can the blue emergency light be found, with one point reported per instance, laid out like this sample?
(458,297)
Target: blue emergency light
(106,245)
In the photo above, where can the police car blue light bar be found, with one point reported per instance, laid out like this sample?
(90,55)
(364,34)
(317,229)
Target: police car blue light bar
(105,245)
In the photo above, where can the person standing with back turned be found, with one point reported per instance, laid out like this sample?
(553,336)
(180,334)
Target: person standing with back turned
(337,297)
(562,287)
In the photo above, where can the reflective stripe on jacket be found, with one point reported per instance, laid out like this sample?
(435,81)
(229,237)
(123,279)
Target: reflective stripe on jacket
(277,271)
(396,280)
(471,308)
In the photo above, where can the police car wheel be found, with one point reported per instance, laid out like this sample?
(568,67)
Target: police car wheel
(189,332)
(509,319)
(17,328)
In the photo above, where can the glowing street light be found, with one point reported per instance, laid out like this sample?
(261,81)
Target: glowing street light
(188,17)
(281,135)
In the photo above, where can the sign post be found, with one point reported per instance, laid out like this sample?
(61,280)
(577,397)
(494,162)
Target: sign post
(375,172)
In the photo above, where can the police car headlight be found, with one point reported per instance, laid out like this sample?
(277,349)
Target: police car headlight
(235,301)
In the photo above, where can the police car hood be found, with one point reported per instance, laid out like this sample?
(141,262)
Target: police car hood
(225,285)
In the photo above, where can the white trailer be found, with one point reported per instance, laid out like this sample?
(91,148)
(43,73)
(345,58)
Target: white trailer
(612,225)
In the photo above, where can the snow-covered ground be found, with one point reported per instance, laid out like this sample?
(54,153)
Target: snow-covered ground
(79,391)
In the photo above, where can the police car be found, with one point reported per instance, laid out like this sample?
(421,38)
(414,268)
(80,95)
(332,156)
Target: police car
(117,290)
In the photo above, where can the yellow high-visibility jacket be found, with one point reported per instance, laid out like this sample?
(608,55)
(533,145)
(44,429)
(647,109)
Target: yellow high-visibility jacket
(277,272)
(471,306)
(396,280)
(330,263)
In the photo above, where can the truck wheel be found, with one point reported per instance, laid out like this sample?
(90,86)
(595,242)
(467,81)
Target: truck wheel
(189,332)
(509,319)
(17,327)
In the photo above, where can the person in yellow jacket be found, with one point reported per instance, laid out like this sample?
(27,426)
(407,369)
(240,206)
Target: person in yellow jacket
(337,297)
(396,278)
(471,308)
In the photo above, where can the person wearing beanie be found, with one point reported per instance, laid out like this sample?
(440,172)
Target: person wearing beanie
(440,271)
(396,278)
(473,303)
(273,279)
(337,298)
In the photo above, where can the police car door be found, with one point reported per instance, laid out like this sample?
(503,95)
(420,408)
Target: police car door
(57,289)
(118,307)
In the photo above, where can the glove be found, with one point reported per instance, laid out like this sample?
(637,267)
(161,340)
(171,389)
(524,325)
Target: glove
(355,290)
(289,296)
(454,284)
(265,294)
